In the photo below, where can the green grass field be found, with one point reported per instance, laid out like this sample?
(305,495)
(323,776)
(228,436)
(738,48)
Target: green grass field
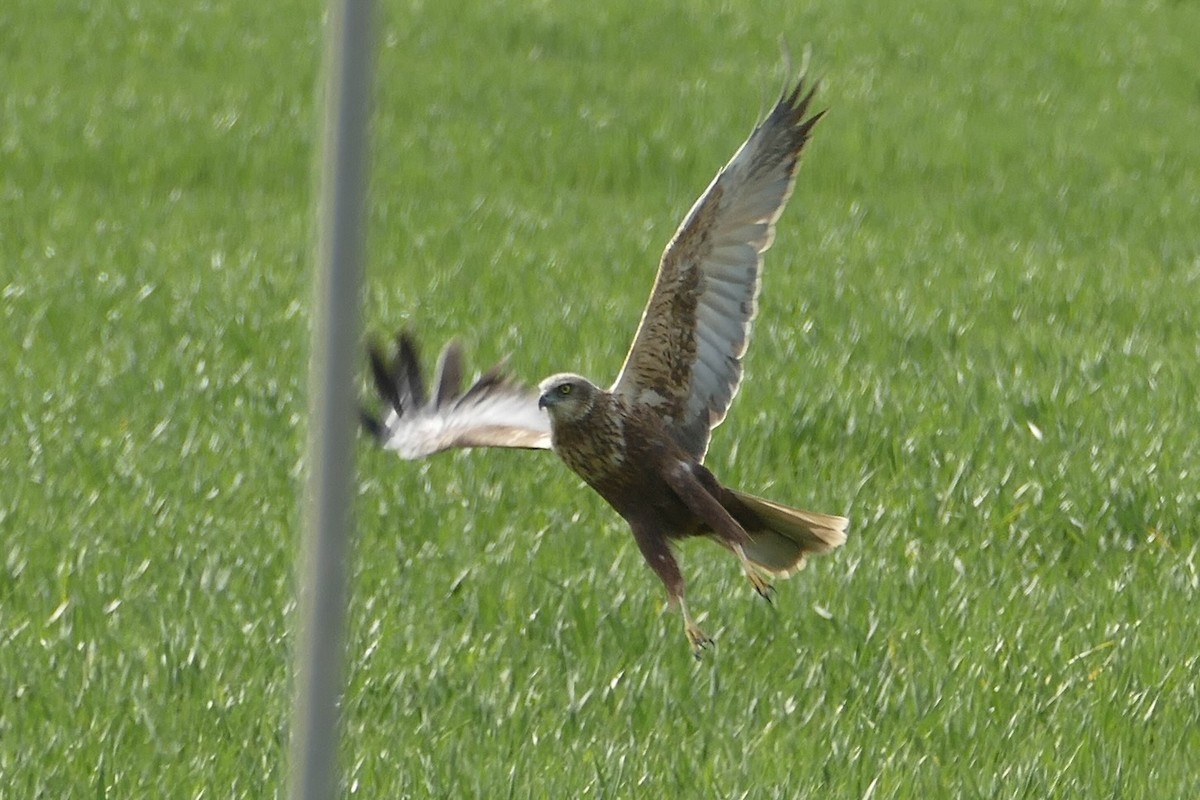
(978,338)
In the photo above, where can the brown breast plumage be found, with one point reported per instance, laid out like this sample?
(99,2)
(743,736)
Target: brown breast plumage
(594,447)
(620,452)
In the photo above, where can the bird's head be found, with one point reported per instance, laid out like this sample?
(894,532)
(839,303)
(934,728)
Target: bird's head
(567,397)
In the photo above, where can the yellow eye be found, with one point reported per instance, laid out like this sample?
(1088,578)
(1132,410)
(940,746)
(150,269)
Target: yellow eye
(565,389)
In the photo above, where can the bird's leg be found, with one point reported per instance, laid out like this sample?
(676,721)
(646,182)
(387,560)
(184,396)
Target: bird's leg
(657,553)
(698,639)
(697,497)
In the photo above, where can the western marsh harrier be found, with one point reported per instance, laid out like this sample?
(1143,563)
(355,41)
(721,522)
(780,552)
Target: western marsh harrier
(641,443)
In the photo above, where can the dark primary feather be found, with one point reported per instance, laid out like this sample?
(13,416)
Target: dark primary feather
(372,425)
(449,374)
(384,375)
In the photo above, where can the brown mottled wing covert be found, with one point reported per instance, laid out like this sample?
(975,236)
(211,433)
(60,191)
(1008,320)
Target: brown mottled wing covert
(492,412)
(685,361)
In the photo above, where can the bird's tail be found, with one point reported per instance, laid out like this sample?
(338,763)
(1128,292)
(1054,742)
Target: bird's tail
(782,537)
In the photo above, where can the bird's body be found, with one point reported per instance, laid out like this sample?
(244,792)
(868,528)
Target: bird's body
(627,454)
(626,464)
(623,452)
(641,443)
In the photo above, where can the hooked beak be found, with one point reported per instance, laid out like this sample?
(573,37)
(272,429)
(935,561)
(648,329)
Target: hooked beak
(543,401)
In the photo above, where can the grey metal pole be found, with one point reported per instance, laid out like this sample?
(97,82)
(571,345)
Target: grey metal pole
(330,484)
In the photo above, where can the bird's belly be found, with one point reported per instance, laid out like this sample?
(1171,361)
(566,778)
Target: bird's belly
(627,475)
(651,499)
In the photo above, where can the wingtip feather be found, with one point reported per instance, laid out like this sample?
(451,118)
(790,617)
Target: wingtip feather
(382,374)
(406,372)
(372,425)
(448,381)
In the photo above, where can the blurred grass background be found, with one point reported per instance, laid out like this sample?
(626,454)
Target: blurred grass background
(977,338)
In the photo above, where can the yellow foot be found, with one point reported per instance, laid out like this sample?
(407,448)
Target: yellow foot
(698,638)
(765,590)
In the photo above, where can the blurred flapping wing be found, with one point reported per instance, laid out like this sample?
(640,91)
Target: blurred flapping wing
(493,412)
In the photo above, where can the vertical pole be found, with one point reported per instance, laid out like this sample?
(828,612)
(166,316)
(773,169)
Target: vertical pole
(330,483)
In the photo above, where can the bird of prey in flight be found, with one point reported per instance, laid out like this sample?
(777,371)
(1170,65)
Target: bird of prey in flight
(641,443)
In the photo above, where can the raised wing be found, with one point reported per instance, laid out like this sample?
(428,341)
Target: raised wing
(686,357)
(492,412)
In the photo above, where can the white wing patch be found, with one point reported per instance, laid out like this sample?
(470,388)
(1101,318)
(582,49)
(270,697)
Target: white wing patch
(500,420)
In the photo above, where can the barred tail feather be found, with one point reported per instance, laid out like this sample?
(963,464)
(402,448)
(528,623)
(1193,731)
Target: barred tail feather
(782,537)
